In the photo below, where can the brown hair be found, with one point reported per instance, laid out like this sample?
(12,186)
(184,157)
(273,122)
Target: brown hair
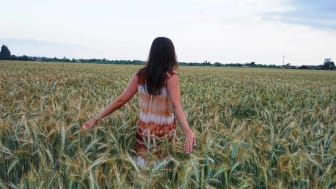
(162,58)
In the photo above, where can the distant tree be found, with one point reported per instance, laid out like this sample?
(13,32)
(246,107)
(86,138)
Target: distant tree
(218,64)
(5,53)
(329,65)
(65,59)
(24,57)
(206,63)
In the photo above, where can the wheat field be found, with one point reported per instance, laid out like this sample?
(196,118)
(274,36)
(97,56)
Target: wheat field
(255,128)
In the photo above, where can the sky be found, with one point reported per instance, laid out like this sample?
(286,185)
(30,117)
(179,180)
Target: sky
(226,31)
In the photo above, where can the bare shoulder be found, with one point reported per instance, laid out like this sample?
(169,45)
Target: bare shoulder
(135,76)
(173,82)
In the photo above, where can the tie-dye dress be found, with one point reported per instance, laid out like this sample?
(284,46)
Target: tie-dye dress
(156,119)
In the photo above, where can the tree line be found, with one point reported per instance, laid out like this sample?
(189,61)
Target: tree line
(5,54)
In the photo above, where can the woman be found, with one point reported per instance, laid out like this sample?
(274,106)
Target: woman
(159,100)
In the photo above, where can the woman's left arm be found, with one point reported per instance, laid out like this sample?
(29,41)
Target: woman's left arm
(124,97)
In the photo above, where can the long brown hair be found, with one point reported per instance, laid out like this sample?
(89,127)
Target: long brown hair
(161,58)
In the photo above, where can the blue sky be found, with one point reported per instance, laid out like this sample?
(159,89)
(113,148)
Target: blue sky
(317,14)
(304,31)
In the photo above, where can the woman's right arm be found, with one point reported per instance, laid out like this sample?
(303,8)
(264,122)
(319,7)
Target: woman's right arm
(174,95)
(125,96)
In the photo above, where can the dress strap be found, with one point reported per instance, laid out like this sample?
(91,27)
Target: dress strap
(170,73)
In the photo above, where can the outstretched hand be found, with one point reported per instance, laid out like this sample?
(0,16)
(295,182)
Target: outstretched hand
(189,142)
(89,124)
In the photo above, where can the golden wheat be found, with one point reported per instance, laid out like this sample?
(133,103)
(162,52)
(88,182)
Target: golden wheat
(255,128)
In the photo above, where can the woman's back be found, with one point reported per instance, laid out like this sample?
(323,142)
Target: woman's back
(156,116)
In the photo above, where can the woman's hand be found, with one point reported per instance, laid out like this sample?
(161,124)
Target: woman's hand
(189,142)
(89,123)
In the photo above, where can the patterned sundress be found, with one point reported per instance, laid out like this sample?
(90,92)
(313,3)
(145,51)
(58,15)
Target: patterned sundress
(156,119)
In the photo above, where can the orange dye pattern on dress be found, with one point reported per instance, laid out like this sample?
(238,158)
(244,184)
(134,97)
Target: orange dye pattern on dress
(156,119)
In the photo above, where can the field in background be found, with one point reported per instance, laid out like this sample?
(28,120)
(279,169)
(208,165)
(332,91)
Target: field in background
(255,128)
